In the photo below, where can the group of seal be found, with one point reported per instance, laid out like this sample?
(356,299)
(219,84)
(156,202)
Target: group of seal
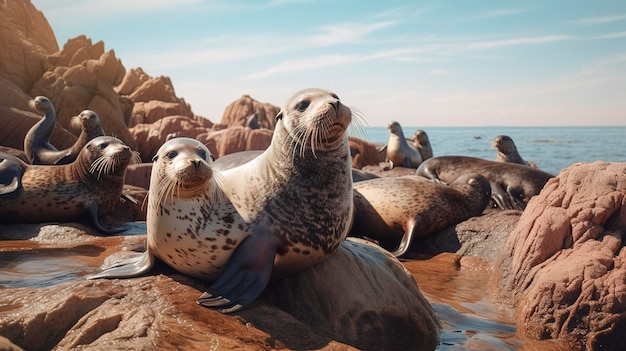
(281,212)
(512,185)
(91,185)
(394,210)
(37,146)
(399,152)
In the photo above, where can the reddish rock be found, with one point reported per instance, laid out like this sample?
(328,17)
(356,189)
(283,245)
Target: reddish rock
(237,113)
(564,265)
(364,153)
(138,175)
(153,110)
(150,137)
(25,38)
(234,139)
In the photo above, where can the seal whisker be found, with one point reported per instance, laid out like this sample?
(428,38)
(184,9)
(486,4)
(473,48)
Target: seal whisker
(358,124)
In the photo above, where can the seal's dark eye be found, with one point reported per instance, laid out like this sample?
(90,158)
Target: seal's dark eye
(171,154)
(202,153)
(302,105)
(103,146)
(335,96)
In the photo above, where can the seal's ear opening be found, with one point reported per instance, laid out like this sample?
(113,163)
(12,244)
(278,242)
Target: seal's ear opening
(279,115)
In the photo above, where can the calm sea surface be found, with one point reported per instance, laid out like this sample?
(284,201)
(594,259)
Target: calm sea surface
(551,148)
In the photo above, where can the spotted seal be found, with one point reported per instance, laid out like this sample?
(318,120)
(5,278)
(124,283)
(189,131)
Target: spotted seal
(394,210)
(297,197)
(91,185)
(512,185)
(399,152)
(191,224)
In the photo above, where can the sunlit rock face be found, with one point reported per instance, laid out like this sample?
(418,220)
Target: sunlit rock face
(564,265)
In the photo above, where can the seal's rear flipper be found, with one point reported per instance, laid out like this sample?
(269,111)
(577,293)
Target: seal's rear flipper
(11,171)
(93,214)
(246,275)
(127,268)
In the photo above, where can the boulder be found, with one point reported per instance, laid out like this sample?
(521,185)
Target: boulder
(25,38)
(564,265)
(237,113)
(235,139)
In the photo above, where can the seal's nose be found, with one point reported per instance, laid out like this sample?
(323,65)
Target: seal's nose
(196,164)
(335,105)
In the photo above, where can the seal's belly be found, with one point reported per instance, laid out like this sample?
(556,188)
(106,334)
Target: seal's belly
(194,238)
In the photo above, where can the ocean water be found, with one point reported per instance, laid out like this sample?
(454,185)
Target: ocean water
(551,148)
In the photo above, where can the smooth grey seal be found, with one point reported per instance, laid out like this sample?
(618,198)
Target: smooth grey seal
(90,128)
(296,197)
(191,224)
(512,185)
(91,185)
(507,151)
(422,144)
(394,210)
(399,152)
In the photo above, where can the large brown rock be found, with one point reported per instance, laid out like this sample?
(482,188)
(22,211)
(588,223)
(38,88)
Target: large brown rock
(80,77)
(237,113)
(235,139)
(364,153)
(564,265)
(25,38)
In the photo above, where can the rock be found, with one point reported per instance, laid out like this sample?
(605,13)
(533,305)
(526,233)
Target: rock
(25,38)
(380,306)
(150,137)
(237,113)
(153,110)
(138,175)
(363,296)
(564,264)
(82,77)
(235,139)
(364,153)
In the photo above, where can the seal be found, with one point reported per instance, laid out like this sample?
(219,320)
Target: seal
(507,151)
(512,185)
(252,121)
(422,144)
(191,224)
(296,196)
(399,152)
(37,146)
(91,185)
(395,210)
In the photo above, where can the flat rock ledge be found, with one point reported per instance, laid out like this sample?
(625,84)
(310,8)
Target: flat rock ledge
(360,297)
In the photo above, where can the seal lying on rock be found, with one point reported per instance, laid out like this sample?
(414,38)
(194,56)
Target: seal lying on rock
(394,210)
(512,185)
(290,207)
(91,185)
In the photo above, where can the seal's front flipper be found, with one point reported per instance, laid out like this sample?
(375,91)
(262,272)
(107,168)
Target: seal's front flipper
(127,268)
(246,275)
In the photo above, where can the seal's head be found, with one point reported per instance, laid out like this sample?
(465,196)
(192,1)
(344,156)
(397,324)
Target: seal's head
(88,120)
(313,120)
(421,137)
(42,104)
(182,169)
(395,128)
(504,144)
(107,155)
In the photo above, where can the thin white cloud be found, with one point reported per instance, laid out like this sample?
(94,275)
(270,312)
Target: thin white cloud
(500,13)
(601,19)
(346,33)
(611,35)
(520,41)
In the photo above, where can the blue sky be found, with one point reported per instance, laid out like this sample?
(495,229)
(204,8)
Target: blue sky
(421,63)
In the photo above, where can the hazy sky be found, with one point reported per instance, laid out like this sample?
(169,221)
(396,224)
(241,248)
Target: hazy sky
(422,63)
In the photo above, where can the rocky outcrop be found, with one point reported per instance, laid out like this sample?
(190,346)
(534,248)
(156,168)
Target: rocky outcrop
(564,265)
(26,38)
(237,113)
(15,123)
(381,307)
(234,139)
(81,77)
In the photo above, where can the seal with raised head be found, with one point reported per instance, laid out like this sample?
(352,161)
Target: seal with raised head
(37,140)
(422,144)
(90,128)
(296,197)
(91,185)
(399,152)
(191,224)
(394,210)
(507,151)
(512,185)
